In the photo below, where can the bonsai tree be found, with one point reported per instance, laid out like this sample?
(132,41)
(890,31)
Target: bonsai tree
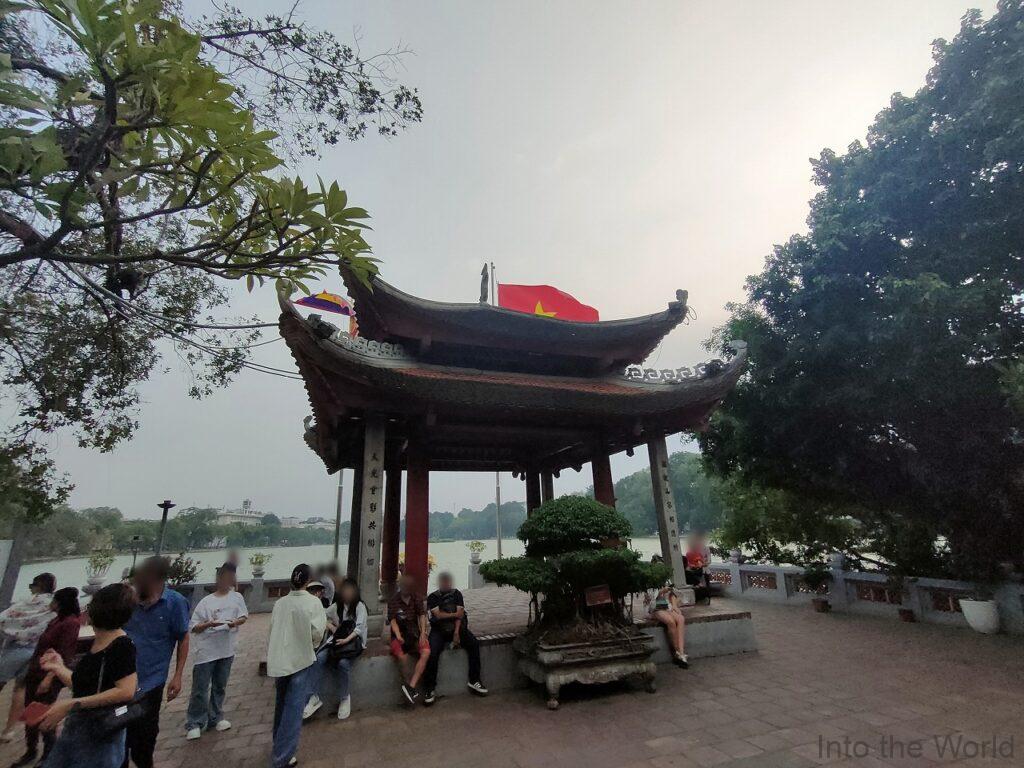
(567,553)
(99,562)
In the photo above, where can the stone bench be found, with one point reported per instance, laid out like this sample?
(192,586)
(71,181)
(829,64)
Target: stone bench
(714,630)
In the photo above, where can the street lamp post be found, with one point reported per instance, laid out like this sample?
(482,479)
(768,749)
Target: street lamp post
(166,505)
(136,544)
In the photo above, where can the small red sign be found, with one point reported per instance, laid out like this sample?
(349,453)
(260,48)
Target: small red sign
(599,595)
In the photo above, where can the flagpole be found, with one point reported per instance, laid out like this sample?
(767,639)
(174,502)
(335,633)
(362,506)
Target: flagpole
(337,517)
(497,475)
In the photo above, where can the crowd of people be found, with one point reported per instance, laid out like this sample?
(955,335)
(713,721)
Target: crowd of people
(140,626)
(317,632)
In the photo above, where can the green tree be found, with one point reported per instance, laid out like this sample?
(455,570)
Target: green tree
(192,528)
(694,491)
(270,519)
(881,340)
(140,167)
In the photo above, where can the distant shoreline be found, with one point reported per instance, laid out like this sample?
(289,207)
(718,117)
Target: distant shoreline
(199,550)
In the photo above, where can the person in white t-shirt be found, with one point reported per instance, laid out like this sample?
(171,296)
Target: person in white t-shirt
(214,628)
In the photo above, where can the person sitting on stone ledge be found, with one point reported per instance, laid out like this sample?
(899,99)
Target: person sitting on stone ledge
(696,560)
(664,609)
(347,629)
(408,622)
(448,624)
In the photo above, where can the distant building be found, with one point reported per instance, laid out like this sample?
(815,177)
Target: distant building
(247,515)
(290,522)
(317,522)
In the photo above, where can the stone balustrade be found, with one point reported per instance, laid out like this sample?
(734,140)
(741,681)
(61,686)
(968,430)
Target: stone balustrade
(935,601)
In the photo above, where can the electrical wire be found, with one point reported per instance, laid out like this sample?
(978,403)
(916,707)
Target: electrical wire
(121,301)
(92,288)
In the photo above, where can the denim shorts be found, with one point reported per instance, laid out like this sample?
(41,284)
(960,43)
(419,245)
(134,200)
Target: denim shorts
(14,662)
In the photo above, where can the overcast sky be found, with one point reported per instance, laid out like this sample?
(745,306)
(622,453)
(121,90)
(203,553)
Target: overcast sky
(615,150)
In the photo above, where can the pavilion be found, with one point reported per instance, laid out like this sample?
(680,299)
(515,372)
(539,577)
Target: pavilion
(433,386)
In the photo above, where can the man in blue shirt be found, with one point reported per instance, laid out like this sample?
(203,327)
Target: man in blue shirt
(158,626)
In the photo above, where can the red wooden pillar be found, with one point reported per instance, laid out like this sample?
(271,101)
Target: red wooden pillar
(532,491)
(604,488)
(392,530)
(417,516)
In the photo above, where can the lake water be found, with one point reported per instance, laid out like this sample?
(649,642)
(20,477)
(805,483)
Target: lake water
(449,555)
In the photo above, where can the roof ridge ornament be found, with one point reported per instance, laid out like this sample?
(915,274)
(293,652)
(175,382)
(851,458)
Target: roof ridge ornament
(706,370)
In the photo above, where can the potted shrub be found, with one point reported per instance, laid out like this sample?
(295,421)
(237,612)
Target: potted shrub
(475,548)
(183,570)
(258,561)
(431,562)
(96,567)
(580,629)
(816,577)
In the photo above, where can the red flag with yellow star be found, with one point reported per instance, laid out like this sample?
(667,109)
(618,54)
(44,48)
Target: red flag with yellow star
(544,301)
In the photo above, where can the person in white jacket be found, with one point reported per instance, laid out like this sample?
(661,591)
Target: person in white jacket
(297,627)
(21,625)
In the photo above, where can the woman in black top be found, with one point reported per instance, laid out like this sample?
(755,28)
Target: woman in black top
(105,677)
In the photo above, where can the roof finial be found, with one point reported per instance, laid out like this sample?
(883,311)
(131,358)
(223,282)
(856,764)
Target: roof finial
(483,284)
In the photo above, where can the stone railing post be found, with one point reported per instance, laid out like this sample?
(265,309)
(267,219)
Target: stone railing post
(915,598)
(839,595)
(475,580)
(257,595)
(735,576)
(781,584)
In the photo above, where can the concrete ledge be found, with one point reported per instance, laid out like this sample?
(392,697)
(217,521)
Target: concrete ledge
(710,631)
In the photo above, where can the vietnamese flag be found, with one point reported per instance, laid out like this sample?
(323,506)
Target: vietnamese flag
(545,301)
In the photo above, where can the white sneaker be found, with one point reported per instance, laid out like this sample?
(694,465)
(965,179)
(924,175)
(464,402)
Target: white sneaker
(312,706)
(345,708)
(193,733)
(223,725)
(477,688)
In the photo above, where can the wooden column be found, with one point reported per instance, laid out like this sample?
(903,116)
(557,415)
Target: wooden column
(665,510)
(371,519)
(604,488)
(547,487)
(417,516)
(532,491)
(392,530)
(355,515)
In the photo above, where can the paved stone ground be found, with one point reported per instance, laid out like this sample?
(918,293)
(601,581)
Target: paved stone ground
(877,682)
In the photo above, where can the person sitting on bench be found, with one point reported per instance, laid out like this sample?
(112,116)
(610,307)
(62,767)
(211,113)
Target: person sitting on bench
(697,559)
(448,624)
(408,623)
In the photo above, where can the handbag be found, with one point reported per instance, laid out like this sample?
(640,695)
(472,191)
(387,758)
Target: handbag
(106,721)
(350,650)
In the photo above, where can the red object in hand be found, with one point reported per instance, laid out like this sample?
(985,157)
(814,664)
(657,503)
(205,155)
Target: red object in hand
(544,301)
(34,713)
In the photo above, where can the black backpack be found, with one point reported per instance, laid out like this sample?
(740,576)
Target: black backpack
(349,650)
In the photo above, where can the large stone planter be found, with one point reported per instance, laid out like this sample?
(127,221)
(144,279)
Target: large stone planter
(601,661)
(981,615)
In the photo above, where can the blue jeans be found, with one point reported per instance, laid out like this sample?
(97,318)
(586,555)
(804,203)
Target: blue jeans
(292,692)
(77,746)
(340,674)
(206,704)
